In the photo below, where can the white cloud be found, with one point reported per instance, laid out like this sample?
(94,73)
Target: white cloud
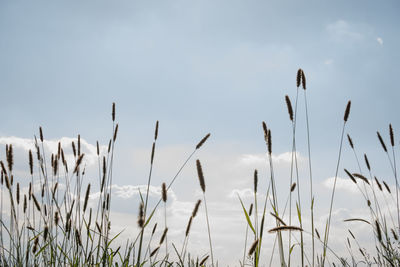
(342,30)
(379,40)
(285,157)
(328,62)
(341,184)
(21,147)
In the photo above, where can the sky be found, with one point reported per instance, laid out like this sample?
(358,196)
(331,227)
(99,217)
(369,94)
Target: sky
(204,66)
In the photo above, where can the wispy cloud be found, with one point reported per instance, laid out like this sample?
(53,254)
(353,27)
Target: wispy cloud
(379,40)
(343,31)
(341,184)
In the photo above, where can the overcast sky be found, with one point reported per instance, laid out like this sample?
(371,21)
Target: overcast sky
(197,67)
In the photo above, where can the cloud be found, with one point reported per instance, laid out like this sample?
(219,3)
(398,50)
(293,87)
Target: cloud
(341,184)
(342,30)
(328,62)
(379,40)
(22,146)
(285,157)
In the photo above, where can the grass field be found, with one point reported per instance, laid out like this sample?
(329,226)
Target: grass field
(50,223)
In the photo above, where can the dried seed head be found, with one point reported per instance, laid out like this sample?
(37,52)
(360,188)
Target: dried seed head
(253,247)
(347,112)
(378,183)
(73,148)
(285,228)
(255,181)
(79,144)
(201,176)
(163,236)
(59,150)
(156,131)
(36,202)
(298,77)
(278,219)
(269,142)
(30,162)
(154,251)
(188,226)
(367,162)
(55,189)
(196,208)
(204,260)
(98,148)
(56,218)
(387,187)
(293,187)
(115,133)
(164,192)
(289,107)
(18,196)
(152,153)
(113,112)
(78,162)
(251,209)
(78,237)
(350,141)
(41,133)
(317,233)
(45,232)
(154,229)
(303,80)
(381,141)
(378,231)
(265,129)
(202,141)
(30,191)
(362,177)
(109,146)
(141,215)
(25,203)
(108,202)
(10,158)
(86,198)
(368,203)
(391,134)
(3,168)
(351,176)
(35,245)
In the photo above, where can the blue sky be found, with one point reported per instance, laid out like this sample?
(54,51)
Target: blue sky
(198,67)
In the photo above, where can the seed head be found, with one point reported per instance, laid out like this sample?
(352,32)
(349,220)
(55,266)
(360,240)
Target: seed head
(253,247)
(156,131)
(201,176)
(381,141)
(350,141)
(391,134)
(255,181)
(303,80)
(298,77)
(289,107)
(293,187)
(164,192)
(202,141)
(347,112)
(196,208)
(86,198)
(113,112)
